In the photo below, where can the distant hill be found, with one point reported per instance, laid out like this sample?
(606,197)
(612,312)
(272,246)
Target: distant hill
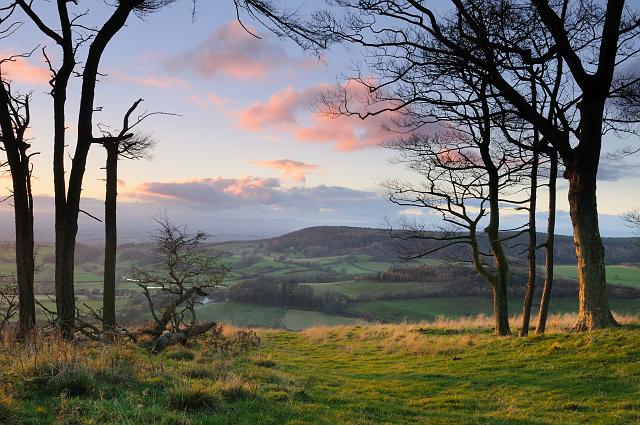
(381,244)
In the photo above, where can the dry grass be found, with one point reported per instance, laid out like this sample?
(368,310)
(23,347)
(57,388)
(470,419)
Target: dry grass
(442,335)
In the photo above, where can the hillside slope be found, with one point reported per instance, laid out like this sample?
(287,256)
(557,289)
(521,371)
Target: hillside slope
(385,374)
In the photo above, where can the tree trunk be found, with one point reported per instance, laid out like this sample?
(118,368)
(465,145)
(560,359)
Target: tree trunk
(531,278)
(24,255)
(111,238)
(501,310)
(65,296)
(549,246)
(594,309)
(65,293)
(500,280)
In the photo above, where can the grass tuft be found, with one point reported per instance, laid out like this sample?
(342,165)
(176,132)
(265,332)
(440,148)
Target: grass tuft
(235,389)
(263,360)
(73,380)
(180,353)
(188,396)
(8,410)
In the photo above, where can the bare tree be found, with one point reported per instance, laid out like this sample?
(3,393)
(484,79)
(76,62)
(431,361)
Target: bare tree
(633,219)
(469,172)
(71,35)
(127,145)
(173,287)
(14,121)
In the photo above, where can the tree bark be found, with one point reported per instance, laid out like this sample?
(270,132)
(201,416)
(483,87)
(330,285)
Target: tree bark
(549,245)
(25,268)
(111,238)
(581,172)
(500,309)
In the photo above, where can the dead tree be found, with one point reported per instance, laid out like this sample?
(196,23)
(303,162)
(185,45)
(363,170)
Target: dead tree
(408,41)
(127,145)
(173,287)
(14,122)
(71,36)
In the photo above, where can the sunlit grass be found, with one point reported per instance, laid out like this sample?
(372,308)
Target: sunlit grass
(441,372)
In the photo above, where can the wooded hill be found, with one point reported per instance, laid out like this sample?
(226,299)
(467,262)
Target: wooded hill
(389,246)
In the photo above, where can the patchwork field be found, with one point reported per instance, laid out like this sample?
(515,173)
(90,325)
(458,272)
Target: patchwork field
(620,275)
(251,315)
(415,310)
(327,271)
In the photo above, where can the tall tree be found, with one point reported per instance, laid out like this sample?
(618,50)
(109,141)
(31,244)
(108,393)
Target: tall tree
(71,37)
(14,122)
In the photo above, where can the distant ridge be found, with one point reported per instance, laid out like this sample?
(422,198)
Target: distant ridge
(346,240)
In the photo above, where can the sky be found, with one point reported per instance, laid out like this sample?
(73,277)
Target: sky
(248,156)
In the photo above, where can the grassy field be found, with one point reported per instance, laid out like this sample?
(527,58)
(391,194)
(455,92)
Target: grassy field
(250,315)
(354,289)
(383,374)
(415,310)
(618,275)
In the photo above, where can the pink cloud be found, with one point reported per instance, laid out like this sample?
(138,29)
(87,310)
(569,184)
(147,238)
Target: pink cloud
(258,195)
(209,99)
(232,52)
(155,81)
(223,190)
(122,185)
(294,170)
(291,111)
(21,70)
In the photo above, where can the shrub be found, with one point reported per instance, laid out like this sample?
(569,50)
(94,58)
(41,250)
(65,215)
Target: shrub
(187,396)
